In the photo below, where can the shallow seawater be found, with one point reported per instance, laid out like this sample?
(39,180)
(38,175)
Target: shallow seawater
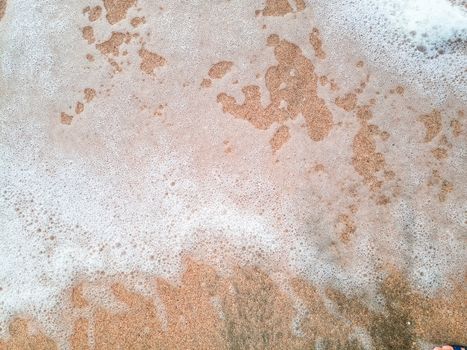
(279,174)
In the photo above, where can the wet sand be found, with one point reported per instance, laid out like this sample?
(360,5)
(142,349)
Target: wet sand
(220,175)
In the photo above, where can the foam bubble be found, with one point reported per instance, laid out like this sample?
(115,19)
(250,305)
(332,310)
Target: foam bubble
(428,23)
(424,41)
(119,192)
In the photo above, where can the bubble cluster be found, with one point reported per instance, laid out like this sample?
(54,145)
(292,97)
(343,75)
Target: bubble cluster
(124,194)
(424,41)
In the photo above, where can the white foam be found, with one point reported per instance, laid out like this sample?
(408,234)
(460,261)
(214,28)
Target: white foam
(429,22)
(120,191)
(422,41)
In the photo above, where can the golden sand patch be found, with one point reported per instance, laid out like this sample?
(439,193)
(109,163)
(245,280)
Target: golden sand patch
(347,102)
(348,227)
(292,85)
(79,107)
(432,124)
(439,153)
(2,8)
(399,90)
(117,9)
(247,309)
(276,8)
(444,186)
(205,83)
(112,45)
(366,160)
(89,94)
(150,61)
(456,126)
(433,127)
(22,339)
(369,163)
(280,7)
(65,118)
(300,5)
(77,298)
(94,13)
(136,21)
(218,70)
(280,137)
(315,41)
(79,340)
(88,34)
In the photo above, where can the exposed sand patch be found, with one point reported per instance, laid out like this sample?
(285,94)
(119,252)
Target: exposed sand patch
(218,70)
(117,9)
(276,8)
(89,94)
(88,34)
(348,227)
(248,310)
(137,21)
(2,8)
(94,13)
(457,127)
(79,107)
(317,44)
(440,153)
(150,61)
(279,8)
(347,102)
(65,118)
(112,45)
(296,73)
(280,137)
(432,124)
(205,83)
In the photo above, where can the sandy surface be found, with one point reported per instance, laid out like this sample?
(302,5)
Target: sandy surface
(230,175)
